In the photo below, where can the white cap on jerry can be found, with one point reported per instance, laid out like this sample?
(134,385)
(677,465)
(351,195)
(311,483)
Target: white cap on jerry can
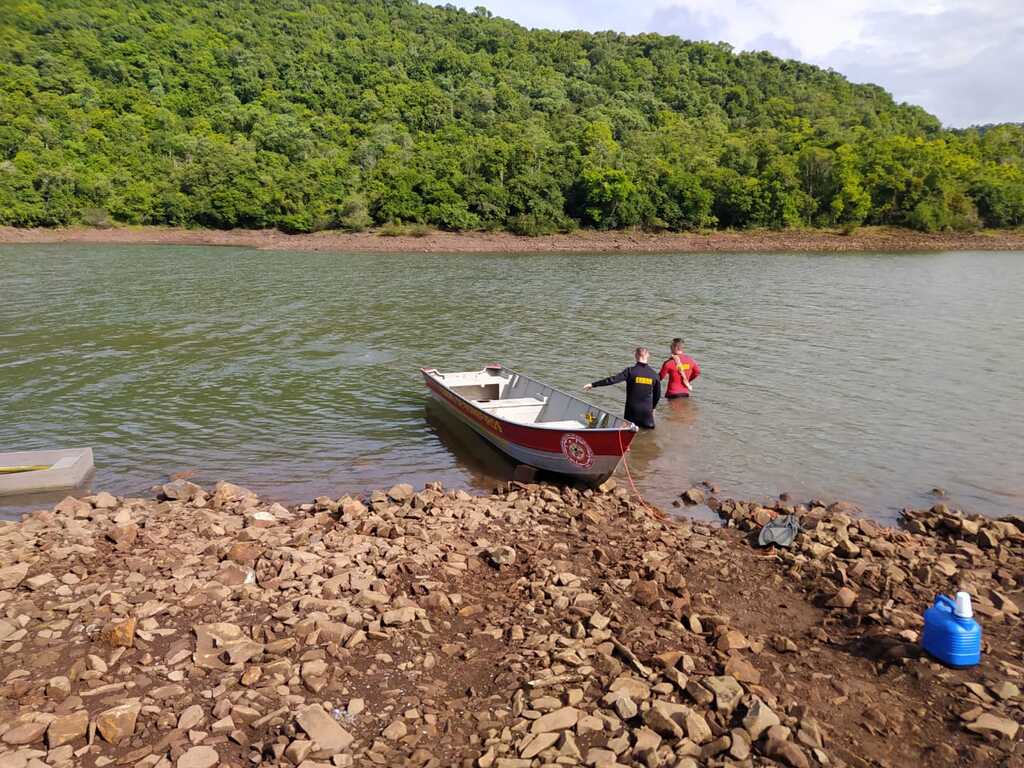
(963,606)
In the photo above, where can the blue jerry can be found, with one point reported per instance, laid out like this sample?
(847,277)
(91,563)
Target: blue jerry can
(950,632)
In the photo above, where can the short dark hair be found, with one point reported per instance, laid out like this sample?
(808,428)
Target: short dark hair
(677,342)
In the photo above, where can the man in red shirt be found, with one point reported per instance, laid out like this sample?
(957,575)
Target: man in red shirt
(680,369)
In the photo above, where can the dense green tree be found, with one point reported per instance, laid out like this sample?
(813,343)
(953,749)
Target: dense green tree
(305,115)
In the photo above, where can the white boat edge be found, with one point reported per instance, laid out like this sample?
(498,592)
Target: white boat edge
(68,468)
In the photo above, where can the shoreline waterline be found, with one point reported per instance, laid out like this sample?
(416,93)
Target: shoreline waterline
(863,240)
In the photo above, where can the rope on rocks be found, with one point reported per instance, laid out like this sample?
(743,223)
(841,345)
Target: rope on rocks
(636,491)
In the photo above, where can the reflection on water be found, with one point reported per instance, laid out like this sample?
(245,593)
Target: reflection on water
(871,377)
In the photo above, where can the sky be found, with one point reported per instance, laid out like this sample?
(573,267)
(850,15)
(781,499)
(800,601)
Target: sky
(962,60)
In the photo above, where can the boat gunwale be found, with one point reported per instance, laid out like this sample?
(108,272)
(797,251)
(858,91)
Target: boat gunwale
(628,425)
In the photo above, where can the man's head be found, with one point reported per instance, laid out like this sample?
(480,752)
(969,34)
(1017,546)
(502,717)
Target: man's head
(677,345)
(642,355)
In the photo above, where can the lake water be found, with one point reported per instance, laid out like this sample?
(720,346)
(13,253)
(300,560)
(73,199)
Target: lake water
(867,377)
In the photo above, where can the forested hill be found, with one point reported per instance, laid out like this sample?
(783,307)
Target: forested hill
(347,113)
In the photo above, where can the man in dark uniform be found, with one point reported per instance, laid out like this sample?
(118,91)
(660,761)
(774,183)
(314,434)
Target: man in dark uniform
(643,389)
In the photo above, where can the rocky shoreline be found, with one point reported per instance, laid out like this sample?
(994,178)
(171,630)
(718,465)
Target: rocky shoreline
(865,239)
(535,626)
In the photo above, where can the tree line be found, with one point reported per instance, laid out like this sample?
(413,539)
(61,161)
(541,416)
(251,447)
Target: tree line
(308,115)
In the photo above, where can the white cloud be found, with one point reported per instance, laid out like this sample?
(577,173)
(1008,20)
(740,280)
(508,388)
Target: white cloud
(959,59)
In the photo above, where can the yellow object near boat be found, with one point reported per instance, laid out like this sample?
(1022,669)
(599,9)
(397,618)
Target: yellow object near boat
(32,468)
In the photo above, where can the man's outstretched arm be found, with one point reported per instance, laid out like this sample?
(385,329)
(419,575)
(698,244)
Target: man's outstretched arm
(618,378)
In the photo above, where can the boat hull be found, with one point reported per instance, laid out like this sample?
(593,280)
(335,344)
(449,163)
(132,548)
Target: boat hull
(68,468)
(590,455)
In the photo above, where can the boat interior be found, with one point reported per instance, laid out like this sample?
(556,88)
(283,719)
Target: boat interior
(513,397)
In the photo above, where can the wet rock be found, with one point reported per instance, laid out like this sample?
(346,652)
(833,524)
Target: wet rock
(693,496)
(401,493)
(181,490)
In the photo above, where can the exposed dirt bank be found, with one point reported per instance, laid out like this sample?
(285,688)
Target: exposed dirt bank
(536,626)
(878,239)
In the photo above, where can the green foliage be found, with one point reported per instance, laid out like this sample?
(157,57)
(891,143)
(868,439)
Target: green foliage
(304,116)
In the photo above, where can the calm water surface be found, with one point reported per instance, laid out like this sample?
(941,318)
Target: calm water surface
(868,377)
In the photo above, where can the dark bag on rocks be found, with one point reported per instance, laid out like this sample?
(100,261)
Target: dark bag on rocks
(781,531)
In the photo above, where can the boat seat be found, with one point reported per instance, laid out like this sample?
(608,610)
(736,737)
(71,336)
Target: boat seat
(510,402)
(570,424)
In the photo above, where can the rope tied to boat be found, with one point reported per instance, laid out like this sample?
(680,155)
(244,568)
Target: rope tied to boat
(651,509)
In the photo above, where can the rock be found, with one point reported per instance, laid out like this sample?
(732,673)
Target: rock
(666,718)
(396,730)
(693,496)
(844,598)
(502,555)
(990,723)
(180,490)
(104,500)
(199,757)
(118,723)
(646,593)
(401,493)
(742,670)
(697,727)
(599,758)
(324,730)
(1005,690)
(732,640)
(191,718)
(740,745)
(68,728)
(398,616)
(25,733)
(759,718)
(626,708)
(788,752)
(558,720)
(727,692)
(244,552)
(538,744)
(13,575)
(809,734)
(58,688)
(298,751)
(123,536)
(119,634)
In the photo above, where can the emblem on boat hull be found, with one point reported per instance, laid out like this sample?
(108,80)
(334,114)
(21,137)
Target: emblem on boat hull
(576,450)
